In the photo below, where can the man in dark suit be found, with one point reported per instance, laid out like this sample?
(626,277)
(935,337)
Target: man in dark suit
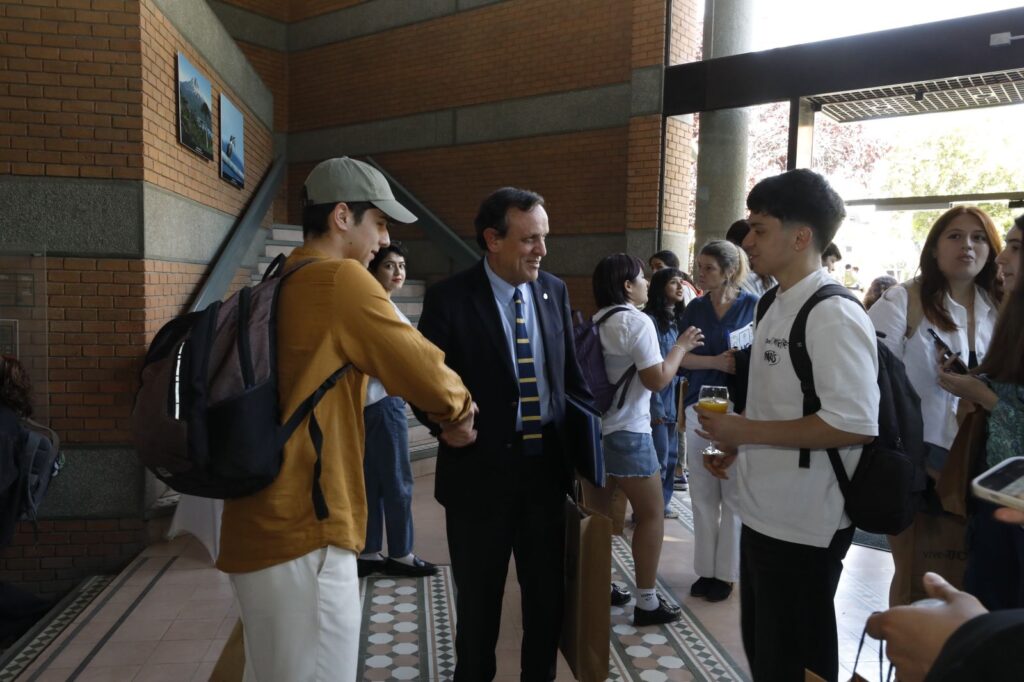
(505,328)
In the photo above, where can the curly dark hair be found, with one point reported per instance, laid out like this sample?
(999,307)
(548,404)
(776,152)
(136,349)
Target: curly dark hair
(15,386)
(657,302)
(393,247)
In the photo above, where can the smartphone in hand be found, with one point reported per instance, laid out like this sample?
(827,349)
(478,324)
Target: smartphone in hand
(1003,484)
(958,365)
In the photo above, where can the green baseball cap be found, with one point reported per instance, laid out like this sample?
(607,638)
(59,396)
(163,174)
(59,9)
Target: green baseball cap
(345,179)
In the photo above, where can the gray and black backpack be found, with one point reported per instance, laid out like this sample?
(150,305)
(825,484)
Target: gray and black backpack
(206,419)
(30,458)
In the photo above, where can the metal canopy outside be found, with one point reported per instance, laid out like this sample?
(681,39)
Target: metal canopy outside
(949,94)
(942,58)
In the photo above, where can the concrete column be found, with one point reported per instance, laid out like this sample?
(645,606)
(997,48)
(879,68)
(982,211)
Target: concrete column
(801,134)
(722,141)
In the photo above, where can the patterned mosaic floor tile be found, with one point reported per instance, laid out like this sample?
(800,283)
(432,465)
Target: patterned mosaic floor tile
(410,631)
(23,653)
(409,628)
(678,651)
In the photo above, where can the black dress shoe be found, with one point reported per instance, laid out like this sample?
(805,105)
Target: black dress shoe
(417,569)
(620,595)
(701,587)
(365,567)
(719,590)
(665,613)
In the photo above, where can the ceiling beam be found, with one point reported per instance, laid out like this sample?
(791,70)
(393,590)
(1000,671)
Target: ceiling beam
(941,49)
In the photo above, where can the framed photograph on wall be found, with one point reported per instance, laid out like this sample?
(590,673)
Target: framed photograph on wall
(232,143)
(195,113)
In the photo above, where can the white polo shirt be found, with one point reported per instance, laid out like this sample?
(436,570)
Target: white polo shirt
(628,338)
(777,497)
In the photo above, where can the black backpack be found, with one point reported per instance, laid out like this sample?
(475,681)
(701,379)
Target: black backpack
(29,459)
(889,483)
(206,419)
(587,339)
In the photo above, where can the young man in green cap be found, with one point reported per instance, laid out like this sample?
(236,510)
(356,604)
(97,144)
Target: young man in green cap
(294,570)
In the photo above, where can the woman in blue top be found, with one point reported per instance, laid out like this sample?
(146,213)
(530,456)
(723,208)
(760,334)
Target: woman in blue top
(724,313)
(995,551)
(665,304)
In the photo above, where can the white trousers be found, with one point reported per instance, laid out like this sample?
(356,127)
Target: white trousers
(301,618)
(716,516)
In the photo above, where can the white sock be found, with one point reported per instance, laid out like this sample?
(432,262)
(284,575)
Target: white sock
(371,556)
(407,559)
(646,599)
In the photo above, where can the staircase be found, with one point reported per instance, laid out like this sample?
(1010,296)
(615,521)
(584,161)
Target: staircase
(284,238)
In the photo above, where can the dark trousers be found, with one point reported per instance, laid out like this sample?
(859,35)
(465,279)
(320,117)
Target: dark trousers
(787,614)
(526,520)
(995,560)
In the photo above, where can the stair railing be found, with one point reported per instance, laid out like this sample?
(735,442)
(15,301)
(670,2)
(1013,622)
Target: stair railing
(229,258)
(444,237)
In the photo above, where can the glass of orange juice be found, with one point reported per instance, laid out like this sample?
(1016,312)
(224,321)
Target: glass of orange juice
(713,399)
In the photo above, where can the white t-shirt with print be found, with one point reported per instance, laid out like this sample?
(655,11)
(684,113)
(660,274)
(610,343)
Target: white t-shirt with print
(777,497)
(628,338)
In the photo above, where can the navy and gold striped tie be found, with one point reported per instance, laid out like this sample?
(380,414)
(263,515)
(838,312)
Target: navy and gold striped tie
(529,397)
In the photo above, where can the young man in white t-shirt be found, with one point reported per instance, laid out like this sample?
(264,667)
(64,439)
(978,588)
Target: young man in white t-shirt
(795,531)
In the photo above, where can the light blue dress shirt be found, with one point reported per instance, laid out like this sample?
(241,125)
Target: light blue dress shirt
(503,295)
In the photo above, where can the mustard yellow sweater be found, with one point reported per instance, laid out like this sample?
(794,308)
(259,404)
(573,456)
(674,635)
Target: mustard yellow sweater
(330,313)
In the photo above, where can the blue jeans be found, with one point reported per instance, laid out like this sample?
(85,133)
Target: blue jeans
(666,444)
(388,475)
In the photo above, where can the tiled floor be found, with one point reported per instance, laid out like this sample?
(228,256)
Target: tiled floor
(168,615)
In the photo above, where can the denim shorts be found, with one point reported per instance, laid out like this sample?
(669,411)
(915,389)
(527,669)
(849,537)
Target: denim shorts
(629,455)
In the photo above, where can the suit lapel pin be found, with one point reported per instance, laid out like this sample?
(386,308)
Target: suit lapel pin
(545,296)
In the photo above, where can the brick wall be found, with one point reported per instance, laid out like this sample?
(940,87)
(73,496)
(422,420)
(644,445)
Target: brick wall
(68,550)
(275,9)
(272,67)
(304,9)
(678,199)
(581,294)
(685,44)
(97,335)
(23,300)
(88,89)
(510,49)
(70,101)
(581,176)
(679,192)
(649,23)
(169,164)
(644,172)
(102,315)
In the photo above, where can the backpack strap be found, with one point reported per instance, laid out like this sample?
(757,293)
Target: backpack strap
(33,439)
(805,373)
(604,318)
(765,302)
(315,434)
(276,268)
(627,377)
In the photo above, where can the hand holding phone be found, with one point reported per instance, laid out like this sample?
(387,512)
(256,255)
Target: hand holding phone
(957,364)
(1003,484)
